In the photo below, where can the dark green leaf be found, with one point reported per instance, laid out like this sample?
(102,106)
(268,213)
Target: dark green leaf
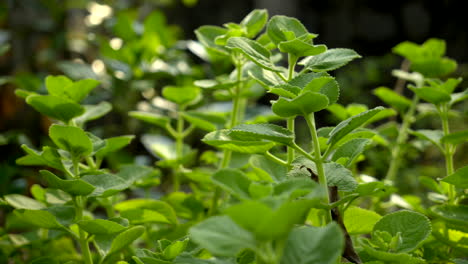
(106,184)
(264,131)
(73,187)
(100,227)
(113,144)
(274,171)
(456,214)
(301,48)
(93,112)
(326,86)
(47,157)
(350,150)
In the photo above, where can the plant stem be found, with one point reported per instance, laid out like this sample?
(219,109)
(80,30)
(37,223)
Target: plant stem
(179,149)
(408,118)
(235,112)
(448,152)
(275,159)
(79,207)
(310,119)
(292,60)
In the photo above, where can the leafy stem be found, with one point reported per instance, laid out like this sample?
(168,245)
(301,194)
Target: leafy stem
(80,203)
(397,152)
(448,151)
(310,119)
(292,60)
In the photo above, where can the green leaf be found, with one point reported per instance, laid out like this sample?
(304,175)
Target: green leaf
(264,77)
(459,178)
(360,221)
(71,139)
(221,236)
(19,201)
(413,227)
(234,181)
(390,257)
(285,90)
(331,59)
(175,249)
(456,214)
(185,95)
(392,98)
(47,157)
(62,87)
(350,124)
(74,187)
(433,136)
(106,184)
(295,187)
(455,137)
(161,146)
(93,112)
(254,51)
(125,238)
(39,218)
(224,139)
(305,245)
(304,104)
(113,144)
(273,170)
(283,28)
(254,22)
(207,35)
(100,226)
(339,176)
(300,48)
(55,107)
(303,80)
(206,121)
(152,118)
(350,150)
(431,94)
(325,85)
(269,132)
(147,210)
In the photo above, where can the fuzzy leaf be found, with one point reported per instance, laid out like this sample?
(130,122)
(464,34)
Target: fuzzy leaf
(254,51)
(283,28)
(301,48)
(73,187)
(339,176)
(305,245)
(55,107)
(325,85)
(329,60)
(413,227)
(222,236)
(350,124)
(351,150)
(71,139)
(223,139)
(269,132)
(304,104)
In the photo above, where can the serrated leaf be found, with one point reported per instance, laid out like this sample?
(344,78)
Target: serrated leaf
(234,181)
(55,107)
(413,227)
(305,245)
(350,124)
(73,187)
(223,139)
(19,201)
(392,98)
(203,120)
(285,90)
(146,211)
(283,28)
(360,221)
(71,139)
(303,80)
(325,85)
(331,59)
(350,150)
(304,104)
(269,132)
(254,22)
(339,176)
(459,178)
(455,137)
(254,51)
(152,118)
(100,226)
(221,236)
(185,95)
(264,77)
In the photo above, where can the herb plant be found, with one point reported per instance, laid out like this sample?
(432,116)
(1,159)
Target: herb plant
(254,193)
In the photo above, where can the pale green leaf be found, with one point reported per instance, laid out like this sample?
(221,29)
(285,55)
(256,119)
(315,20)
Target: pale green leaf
(19,201)
(360,221)
(392,98)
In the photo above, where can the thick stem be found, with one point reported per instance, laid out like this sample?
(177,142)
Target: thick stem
(408,118)
(448,153)
(319,163)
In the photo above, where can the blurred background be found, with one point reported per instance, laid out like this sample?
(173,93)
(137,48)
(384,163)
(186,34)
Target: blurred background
(135,47)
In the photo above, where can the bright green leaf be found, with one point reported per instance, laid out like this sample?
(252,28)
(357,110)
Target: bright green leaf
(325,85)
(392,98)
(303,104)
(125,238)
(329,60)
(185,95)
(254,51)
(58,108)
(223,139)
(283,28)
(100,226)
(148,210)
(455,137)
(93,112)
(73,187)
(360,221)
(71,139)
(254,22)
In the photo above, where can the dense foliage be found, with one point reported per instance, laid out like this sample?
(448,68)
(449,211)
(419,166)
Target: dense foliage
(256,190)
